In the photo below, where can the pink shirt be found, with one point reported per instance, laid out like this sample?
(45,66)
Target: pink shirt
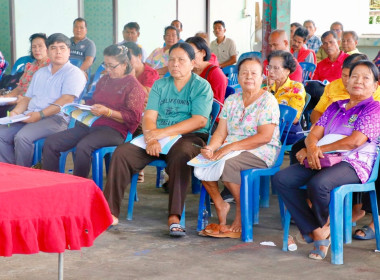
(148,76)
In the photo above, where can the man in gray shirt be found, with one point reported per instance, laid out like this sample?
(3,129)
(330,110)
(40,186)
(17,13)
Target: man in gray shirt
(81,47)
(224,48)
(59,83)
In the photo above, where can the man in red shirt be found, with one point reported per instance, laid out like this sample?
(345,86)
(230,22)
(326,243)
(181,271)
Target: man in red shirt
(278,40)
(330,68)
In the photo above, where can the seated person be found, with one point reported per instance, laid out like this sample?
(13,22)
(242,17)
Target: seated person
(159,58)
(356,119)
(177,24)
(179,104)
(293,27)
(213,59)
(223,47)
(118,100)
(38,51)
(313,42)
(82,48)
(278,41)
(59,83)
(336,27)
(248,127)
(202,67)
(286,91)
(145,74)
(298,47)
(131,33)
(349,42)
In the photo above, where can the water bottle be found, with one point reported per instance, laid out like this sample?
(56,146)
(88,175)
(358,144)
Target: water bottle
(204,218)
(162,177)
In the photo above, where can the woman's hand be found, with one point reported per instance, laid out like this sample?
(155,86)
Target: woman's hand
(152,134)
(207,152)
(301,155)
(99,110)
(153,148)
(222,152)
(314,153)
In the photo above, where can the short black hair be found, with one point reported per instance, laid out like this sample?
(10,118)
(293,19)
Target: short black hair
(301,32)
(353,58)
(251,58)
(372,67)
(58,38)
(80,20)
(327,33)
(296,24)
(134,48)
(288,59)
(120,53)
(180,23)
(132,25)
(219,22)
(200,44)
(34,36)
(186,47)
(171,28)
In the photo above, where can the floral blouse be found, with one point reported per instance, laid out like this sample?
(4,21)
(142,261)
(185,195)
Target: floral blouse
(292,94)
(242,122)
(30,69)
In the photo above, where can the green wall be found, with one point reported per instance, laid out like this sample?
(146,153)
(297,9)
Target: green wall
(98,14)
(5,41)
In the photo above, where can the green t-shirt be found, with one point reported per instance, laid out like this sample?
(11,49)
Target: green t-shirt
(173,107)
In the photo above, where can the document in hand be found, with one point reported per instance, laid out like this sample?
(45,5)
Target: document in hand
(14,119)
(79,112)
(6,100)
(166,143)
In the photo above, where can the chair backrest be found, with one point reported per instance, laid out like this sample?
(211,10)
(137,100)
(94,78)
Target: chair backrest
(231,73)
(20,63)
(5,68)
(229,91)
(75,61)
(375,169)
(248,54)
(97,76)
(287,116)
(307,70)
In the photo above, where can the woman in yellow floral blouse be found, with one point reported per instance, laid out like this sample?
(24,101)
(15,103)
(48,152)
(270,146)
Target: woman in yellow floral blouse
(280,65)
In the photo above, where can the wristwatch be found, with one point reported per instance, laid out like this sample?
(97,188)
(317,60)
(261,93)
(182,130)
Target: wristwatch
(42,115)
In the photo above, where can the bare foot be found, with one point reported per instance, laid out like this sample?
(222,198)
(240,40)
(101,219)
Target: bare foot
(115,220)
(236,226)
(222,212)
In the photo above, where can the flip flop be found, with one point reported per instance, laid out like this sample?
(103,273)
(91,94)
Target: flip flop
(177,233)
(368,233)
(227,234)
(212,228)
(320,254)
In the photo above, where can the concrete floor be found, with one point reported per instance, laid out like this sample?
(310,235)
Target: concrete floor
(142,249)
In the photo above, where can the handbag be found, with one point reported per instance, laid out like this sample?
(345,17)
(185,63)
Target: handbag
(327,161)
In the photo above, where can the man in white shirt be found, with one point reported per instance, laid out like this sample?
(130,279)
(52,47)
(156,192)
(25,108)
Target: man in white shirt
(224,48)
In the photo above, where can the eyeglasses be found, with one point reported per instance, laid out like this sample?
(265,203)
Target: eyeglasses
(274,68)
(112,67)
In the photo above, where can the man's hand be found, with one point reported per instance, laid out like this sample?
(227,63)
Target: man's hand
(34,117)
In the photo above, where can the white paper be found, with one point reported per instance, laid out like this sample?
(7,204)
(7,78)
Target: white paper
(6,100)
(14,119)
(267,243)
(166,143)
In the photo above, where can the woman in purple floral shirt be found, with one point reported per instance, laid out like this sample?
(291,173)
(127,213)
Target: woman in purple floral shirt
(356,122)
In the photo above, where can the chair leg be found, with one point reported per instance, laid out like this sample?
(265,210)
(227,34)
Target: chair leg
(282,211)
(132,195)
(246,204)
(97,169)
(264,191)
(158,177)
(182,222)
(201,207)
(347,216)
(336,227)
(286,226)
(375,216)
(255,198)
(195,184)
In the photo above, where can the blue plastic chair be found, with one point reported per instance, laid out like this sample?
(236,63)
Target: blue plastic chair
(161,164)
(75,61)
(247,55)
(341,214)
(20,63)
(231,73)
(229,91)
(5,68)
(95,80)
(308,71)
(288,148)
(254,188)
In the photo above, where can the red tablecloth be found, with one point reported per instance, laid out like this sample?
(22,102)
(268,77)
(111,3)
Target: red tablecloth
(48,211)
